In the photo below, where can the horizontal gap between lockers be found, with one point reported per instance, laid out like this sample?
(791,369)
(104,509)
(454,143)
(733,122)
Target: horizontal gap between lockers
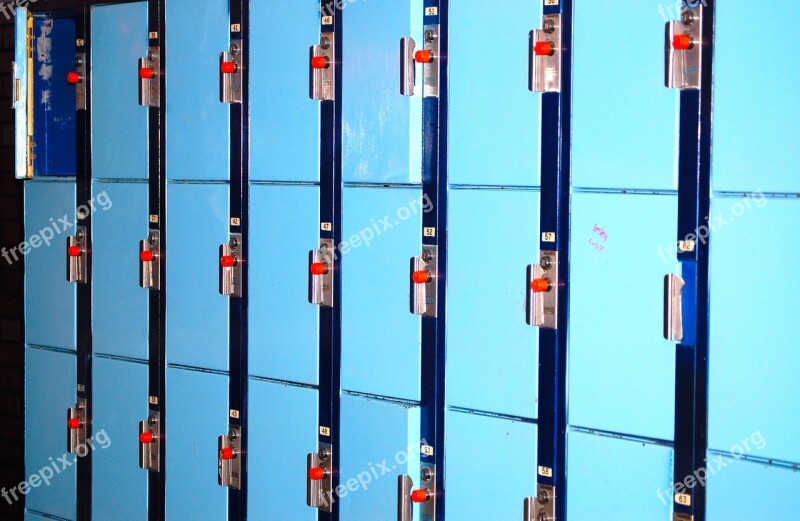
(197,369)
(397,401)
(621,436)
(50,348)
(769,195)
(119,180)
(631,191)
(363,184)
(119,358)
(46,516)
(197,182)
(283,382)
(52,179)
(262,182)
(510,188)
(498,415)
(758,459)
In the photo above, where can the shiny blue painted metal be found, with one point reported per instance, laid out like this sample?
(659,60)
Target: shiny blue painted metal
(745,489)
(380,440)
(283,325)
(284,122)
(119,325)
(50,312)
(381,339)
(54,118)
(487,331)
(381,132)
(197,326)
(198,412)
(119,486)
(197,129)
(621,368)
(49,392)
(282,428)
(119,137)
(618,479)
(504,447)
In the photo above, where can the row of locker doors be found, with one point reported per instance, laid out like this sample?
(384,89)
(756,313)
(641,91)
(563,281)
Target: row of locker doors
(623,215)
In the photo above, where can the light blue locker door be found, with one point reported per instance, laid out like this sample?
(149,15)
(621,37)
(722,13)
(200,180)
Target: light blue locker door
(49,391)
(197,413)
(493,229)
(119,486)
(753,413)
(284,217)
(624,216)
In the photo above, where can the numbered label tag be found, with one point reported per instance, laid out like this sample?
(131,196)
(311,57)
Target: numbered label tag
(683,499)
(153,400)
(326,227)
(235,221)
(325,431)
(548,237)
(234,414)
(686,245)
(551,2)
(153,35)
(154,219)
(431,11)
(426,450)
(236,28)
(327,20)
(430,232)
(546,472)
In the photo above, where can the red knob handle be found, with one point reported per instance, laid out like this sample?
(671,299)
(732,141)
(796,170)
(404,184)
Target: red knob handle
(540,285)
(147,256)
(682,42)
(227,261)
(74,423)
(543,49)
(228,67)
(73,78)
(226,453)
(423,56)
(147,73)
(146,437)
(319,62)
(421,277)
(318,268)
(317,474)
(74,251)
(420,496)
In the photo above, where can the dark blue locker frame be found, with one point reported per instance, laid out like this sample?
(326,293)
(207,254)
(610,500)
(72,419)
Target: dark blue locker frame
(556,175)
(435,185)
(240,209)
(330,210)
(694,206)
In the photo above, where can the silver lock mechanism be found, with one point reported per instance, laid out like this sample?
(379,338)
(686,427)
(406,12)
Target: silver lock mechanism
(408,69)
(150,442)
(322,82)
(77,256)
(230,459)
(542,299)
(683,54)
(320,274)
(423,283)
(150,261)
(542,507)
(78,79)
(673,307)
(319,478)
(76,427)
(429,57)
(230,267)
(405,511)
(230,74)
(149,80)
(682,517)
(545,56)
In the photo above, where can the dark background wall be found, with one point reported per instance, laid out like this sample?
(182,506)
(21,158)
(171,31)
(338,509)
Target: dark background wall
(11,288)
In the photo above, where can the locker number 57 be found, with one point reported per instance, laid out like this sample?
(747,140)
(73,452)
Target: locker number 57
(548,237)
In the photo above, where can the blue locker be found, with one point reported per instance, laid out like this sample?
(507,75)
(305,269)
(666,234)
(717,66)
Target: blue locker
(197,412)
(49,298)
(622,371)
(49,392)
(614,479)
(197,323)
(283,325)
(197,123)
(284,123)
(380,440)
(381,130)
(506,448)
(282,428)
(750,490)
(622,112)
(380,336)
(119,486)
